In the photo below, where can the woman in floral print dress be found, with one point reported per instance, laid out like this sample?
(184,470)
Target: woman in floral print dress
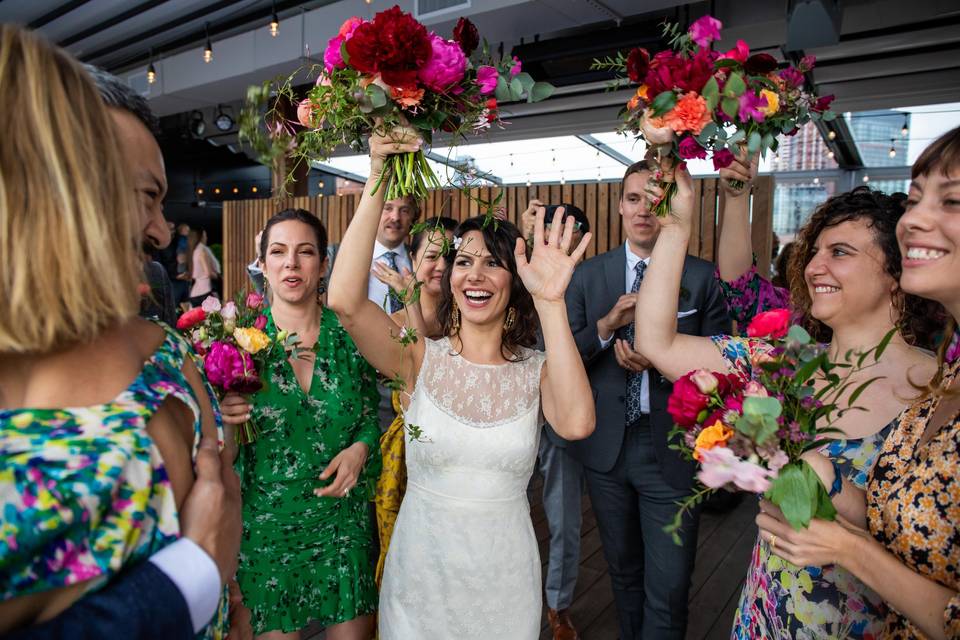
(307,478)
(847,284)
(901,536)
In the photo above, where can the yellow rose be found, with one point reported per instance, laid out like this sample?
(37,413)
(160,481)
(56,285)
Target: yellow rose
(773,102)
(716,435)
(251,340)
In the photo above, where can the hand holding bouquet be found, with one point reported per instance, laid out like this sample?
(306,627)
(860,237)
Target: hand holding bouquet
(750,435)
(692,101)
(384,73)
(232,345)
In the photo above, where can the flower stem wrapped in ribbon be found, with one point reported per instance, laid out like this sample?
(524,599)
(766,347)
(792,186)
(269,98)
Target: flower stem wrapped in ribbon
(692,102)
(389,71)
(749,435)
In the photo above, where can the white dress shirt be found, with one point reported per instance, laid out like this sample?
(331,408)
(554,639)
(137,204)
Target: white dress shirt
(629,275)
(196,576)
(376,290)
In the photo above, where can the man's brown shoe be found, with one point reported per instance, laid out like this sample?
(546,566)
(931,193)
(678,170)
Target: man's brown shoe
(561,625)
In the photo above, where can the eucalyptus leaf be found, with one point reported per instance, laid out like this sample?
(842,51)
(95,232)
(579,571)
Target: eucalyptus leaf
(799,334)
(502,92)
(730,107)
(541,91)
(711,89)
(737,135)
(792,493)
(735,86)
(526,80)
(516,89)
(753,143)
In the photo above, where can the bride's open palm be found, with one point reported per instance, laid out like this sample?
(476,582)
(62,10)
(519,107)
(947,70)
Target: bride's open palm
(548,271)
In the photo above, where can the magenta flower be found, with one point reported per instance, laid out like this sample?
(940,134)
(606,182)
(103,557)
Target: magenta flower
(446,65)
(487,79)
(515,69)
(751,107)
(722,159)
(792,77)
(740,53)
(690,149)
(224,364)
(808,62)
(705,30)
(332,59)
(260,322)
(254,300)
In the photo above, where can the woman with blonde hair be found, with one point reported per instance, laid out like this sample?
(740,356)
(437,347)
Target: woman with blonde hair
(101,413)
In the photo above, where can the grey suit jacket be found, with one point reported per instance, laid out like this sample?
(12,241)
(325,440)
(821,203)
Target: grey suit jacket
(594,289)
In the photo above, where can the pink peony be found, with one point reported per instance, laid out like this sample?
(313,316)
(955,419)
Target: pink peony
(515,69)
(446,65)
(722,159)
(771,324)
(332,59)
(690,149)
(487,79)
(254,300)
(705,30)
(229,310)
(740,53)
(210,305)
(720,466)
(224,364)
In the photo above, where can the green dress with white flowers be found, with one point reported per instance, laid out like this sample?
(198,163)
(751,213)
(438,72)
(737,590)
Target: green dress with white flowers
(305,558)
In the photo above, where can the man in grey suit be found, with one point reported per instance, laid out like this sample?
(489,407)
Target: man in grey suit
(634,479)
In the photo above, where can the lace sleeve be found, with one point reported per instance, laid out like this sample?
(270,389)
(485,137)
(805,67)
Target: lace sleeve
(751,294)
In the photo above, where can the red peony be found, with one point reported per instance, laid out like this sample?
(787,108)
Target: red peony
(686,401)
(466,35)
(722,159)
(760,64)
(638,63)
(822,104)
(669,71)
(193,317)
(393,44)
(769,324)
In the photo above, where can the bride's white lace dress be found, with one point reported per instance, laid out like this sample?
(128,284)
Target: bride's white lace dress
(463,560)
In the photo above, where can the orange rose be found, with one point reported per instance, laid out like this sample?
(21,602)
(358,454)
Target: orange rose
(406,97)
(641,94)
(689,114)
(716,435)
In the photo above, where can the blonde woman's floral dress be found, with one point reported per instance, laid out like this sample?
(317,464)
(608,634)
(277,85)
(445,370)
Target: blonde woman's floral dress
(84,491)
(781,601)
(304,558)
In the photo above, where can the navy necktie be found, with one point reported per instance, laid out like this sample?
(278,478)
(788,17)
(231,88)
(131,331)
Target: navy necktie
(394,301)
(634,379)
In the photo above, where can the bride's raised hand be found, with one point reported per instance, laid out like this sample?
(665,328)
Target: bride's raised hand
(386,142)
(548,271)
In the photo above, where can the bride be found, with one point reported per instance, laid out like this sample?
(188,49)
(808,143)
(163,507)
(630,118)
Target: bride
(463,560)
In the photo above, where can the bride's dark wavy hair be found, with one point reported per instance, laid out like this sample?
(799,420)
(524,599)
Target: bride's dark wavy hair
(500,238)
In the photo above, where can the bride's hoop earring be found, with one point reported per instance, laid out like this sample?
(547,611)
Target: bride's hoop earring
(455,318)
(511,319)
(321,289)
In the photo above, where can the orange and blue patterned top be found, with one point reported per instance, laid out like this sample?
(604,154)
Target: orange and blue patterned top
(84,491)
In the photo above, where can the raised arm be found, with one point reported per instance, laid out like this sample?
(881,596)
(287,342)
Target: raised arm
(373,331)
(735,247)
(565,391)
(672,354)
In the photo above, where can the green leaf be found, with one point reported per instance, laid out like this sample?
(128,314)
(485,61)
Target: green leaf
(663,103)
(735,86)
(540,91)
(526,80)
(802,374)
(502,92)
(768,141)
(377,96)
(344,53)
(798,334)
(791,492)
(863,387)
(884,343)
(711,89)
(516,89)
(730,107)
(726,63)
(739,134)
(755,405)
(753,144)
(827,116)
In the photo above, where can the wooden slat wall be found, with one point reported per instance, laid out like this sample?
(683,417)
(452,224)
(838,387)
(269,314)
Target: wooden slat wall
(242,219)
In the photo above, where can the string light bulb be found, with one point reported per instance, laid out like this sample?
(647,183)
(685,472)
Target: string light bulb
(866,179)
(253,189)
(816,181)
(274,22)
(208,47)
(200,191)
(236,190)
(151,74)
(905,131)
(562,179)
(216,190)
(832,135)
(893,149)
(830,154)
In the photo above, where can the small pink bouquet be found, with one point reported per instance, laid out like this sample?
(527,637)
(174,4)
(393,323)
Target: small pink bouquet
(385,72)
(693,102)
(749,435)
(232,345)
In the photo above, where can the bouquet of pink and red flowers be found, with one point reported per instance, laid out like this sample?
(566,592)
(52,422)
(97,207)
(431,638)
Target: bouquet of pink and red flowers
(231,343)
(750,435)
(693,101)
(389,71)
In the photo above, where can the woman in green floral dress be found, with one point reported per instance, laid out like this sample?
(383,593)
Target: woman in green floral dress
(306,549)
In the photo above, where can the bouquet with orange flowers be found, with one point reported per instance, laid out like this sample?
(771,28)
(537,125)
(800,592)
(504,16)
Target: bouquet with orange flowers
(749,435)
(381,73)
(232,346)
(692,102)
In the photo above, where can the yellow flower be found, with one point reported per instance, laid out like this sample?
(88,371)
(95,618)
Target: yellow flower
(773,101)
(716,435)
(251,340)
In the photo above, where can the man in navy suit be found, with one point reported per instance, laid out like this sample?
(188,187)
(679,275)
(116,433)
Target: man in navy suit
(634,479)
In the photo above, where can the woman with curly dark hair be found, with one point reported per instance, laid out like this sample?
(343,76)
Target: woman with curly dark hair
(843,279)
(463,560)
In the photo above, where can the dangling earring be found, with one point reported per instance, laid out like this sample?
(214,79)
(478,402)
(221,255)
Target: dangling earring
(455,318)
(511,319)
(321,289)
